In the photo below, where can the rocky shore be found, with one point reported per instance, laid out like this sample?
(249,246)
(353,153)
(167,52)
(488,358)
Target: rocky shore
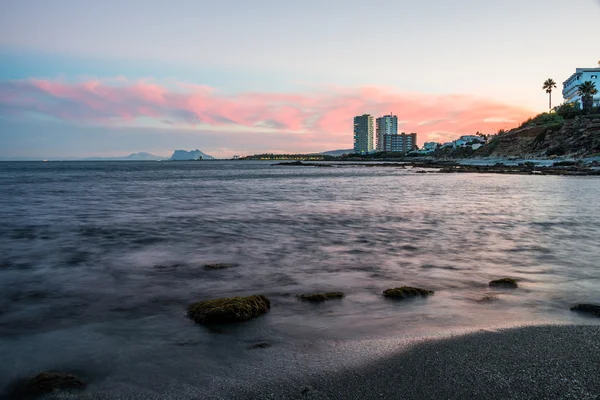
(568,168)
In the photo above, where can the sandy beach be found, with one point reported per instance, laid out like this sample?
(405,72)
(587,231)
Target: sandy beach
(541,362)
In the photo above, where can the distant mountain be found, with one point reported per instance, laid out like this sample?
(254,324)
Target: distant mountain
(141,156)
(337,153)
(183,155)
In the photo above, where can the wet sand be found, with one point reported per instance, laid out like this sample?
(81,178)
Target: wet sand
(542,362)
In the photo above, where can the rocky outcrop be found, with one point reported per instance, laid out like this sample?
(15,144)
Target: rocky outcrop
(183,155)
(406,292)
(578,137)
(227,310)
(320,297)
(504,283)
(592,309)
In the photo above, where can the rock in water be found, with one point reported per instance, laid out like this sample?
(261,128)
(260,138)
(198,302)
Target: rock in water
(406,292)
(505,283)
(43,383)
(262,345)
(593,309)
(488,299)
(217,266)
(319,297)
(231,309)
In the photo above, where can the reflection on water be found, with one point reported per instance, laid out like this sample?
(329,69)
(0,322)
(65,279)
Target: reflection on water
(99,260)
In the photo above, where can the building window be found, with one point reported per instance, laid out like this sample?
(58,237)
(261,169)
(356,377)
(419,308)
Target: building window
(594,76)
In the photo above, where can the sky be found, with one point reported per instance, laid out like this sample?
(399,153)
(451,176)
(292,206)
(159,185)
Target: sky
(109,78)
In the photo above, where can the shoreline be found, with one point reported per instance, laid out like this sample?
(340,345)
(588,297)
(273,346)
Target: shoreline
(527,168)
(545,361)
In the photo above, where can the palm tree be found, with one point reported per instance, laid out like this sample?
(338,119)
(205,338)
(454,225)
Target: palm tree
(549,84)
(587,90)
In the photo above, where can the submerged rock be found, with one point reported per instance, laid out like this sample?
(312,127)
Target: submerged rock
(226,310)
(218,266)
(406,292)
(504,282)
(43,383)
(262,345)
(593,309)
(319,297)
(488,299)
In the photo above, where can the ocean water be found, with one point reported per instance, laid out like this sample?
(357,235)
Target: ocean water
(99,260)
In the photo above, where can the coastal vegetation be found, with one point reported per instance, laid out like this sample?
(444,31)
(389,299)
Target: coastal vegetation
(587,90)
(549,84)
(320,297)
(406,292)
(225,310)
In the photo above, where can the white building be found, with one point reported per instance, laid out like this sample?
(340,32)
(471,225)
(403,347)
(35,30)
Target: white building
(363,134)
(570,86)
(430,146)
(386,125)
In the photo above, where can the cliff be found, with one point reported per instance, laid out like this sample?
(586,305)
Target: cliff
(579,137)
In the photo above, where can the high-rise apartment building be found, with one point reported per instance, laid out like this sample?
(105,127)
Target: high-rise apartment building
(363,134)
(400,143)
(386,125)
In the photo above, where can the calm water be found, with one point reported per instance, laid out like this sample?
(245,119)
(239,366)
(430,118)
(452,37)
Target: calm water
(80,243)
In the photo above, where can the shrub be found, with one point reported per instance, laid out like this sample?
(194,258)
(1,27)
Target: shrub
(543,120)
(568,110)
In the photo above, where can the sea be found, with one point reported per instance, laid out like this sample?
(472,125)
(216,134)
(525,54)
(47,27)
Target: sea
(99,261)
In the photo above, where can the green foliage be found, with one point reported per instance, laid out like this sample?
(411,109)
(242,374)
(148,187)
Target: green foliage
(543,119)
(587,90)
(488,149)
(568,110)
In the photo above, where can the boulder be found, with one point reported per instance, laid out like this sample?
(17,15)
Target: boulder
(505,283)
(319,297)
(227,310)
(406,292)
(592,309)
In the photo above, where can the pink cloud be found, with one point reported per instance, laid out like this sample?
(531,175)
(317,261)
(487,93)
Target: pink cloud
(325,116)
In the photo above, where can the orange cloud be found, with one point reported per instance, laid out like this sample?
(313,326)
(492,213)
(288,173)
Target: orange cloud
(324,116)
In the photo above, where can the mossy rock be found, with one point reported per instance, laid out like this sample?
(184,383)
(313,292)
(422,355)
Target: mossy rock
(218,266)
(592,309)
(406,292)
(43,383)
(319,297)
(505,283)
(227,310)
